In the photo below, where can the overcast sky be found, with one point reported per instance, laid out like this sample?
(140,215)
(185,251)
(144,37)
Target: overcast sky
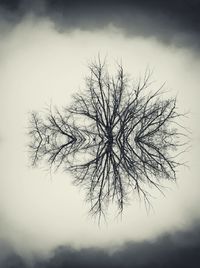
(44,50)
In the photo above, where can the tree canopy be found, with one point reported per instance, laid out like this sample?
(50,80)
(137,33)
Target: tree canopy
(115,137)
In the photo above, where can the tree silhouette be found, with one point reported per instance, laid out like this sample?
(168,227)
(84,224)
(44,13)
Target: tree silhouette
(115,138)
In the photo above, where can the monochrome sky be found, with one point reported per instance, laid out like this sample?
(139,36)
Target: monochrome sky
(44,50)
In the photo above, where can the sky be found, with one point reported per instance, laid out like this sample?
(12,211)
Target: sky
(45,47)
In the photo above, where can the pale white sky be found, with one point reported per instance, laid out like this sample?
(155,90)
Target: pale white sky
(39,65)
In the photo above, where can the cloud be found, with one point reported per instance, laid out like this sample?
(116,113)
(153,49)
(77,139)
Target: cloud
(37,65)
(171,22)
(180,249)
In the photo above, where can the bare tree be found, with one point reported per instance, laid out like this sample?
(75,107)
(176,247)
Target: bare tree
(129,134)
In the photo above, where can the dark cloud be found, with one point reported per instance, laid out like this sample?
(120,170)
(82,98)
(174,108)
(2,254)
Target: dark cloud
(180,249)
(171,22)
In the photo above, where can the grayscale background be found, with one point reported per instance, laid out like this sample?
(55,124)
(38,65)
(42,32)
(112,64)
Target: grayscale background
(44,50)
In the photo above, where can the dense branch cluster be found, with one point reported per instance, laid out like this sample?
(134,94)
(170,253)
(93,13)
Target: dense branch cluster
(114,138)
